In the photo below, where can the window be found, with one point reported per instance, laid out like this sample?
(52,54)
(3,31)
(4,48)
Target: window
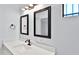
(70,9)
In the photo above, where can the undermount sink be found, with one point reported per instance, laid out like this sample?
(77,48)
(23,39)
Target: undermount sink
(24,49)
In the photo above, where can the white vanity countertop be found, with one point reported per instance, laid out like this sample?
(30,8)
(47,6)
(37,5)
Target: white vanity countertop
(18,47)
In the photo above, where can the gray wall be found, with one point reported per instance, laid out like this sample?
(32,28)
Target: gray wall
(65,31)
(9,13)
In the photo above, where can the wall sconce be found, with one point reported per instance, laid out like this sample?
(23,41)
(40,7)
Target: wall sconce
(29,7)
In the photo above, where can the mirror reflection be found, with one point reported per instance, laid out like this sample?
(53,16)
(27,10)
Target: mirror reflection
(42,23)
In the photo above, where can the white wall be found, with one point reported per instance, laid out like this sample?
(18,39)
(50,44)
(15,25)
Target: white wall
(9,14)
(64,31)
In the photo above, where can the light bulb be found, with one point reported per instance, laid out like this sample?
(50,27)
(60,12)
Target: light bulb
(23,9)
(31,5)
(26,7)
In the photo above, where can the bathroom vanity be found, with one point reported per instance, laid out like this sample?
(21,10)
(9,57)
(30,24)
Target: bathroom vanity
(18,47)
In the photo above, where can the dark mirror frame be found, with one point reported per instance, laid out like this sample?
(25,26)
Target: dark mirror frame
(27,24)
(62,10)
(49,22)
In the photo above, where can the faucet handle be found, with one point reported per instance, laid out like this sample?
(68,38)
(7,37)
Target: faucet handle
(27,40)
(29,43)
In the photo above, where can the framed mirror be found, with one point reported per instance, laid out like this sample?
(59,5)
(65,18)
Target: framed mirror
(24,24)
(42,22)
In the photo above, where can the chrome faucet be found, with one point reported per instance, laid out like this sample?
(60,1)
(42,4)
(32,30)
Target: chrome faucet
(29,43)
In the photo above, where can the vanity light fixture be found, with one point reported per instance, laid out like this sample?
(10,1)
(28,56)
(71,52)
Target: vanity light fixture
(29,7)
